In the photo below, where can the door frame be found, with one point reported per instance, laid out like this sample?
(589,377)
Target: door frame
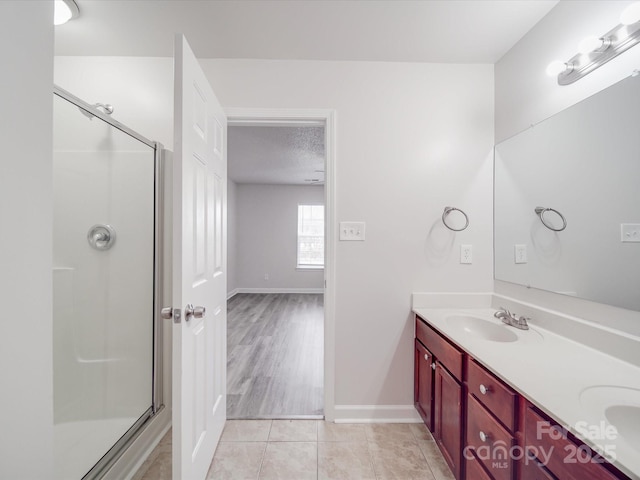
(326,118)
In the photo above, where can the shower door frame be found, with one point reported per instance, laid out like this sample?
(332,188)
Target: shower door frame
(157,400)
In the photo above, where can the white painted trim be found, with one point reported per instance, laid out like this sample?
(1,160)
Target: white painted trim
(232,293)
(278,290)
(376,414)
(266,116)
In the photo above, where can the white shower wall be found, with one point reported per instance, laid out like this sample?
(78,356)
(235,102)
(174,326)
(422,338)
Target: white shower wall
(103,300)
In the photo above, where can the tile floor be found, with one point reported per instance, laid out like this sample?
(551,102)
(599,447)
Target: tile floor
(314,449)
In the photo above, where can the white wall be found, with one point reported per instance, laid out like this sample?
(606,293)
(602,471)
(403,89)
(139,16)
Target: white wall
(140,90)
(411,139)
(266,239)
(26,375)
(526,95)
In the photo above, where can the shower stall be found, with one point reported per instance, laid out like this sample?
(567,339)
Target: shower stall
(106,286)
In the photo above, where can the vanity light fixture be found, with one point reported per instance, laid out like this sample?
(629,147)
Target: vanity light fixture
(631,14)
(64,10)
(596,51)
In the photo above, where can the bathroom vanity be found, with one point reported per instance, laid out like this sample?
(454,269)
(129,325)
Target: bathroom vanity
(507,404)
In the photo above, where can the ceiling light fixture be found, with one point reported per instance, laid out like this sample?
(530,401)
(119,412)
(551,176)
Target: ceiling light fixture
(64,10)
(596,51)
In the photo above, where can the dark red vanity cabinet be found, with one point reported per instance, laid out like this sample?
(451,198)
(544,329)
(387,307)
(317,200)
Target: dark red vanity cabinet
(424,372)
(438,391)
(482,426)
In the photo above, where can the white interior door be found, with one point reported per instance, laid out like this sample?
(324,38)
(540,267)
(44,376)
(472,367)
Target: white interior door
(199,268)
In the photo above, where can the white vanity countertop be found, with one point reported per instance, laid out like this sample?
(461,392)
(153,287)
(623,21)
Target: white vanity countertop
(552,372)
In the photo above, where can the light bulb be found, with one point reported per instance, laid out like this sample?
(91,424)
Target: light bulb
(61,13)
(590,44)
(64,10)
(555,68)
(631,14)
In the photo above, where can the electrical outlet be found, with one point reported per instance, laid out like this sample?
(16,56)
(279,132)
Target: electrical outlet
(520,252)
(352,231)
(630,232)
(466,256)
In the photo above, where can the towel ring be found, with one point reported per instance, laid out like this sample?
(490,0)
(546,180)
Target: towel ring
(445,214)
(542,210)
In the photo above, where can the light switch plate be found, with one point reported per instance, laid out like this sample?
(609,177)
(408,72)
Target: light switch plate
(352,231)
(630,232)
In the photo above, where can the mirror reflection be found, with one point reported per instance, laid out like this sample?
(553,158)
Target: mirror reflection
(579,169)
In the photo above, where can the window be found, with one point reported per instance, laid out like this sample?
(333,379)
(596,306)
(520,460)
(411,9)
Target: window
(310,236)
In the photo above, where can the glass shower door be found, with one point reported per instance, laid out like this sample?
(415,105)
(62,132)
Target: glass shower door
(103,280)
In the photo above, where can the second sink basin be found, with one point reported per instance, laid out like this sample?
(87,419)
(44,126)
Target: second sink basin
(481,328)
(620,406)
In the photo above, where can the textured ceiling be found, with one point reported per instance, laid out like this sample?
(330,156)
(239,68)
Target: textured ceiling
(276,155)
(449,31)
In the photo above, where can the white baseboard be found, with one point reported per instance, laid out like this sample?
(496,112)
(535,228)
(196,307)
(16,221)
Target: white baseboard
(277,290)
(376,414)
(232,293)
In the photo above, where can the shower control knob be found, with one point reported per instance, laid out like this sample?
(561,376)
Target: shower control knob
(195,312)
(101,236)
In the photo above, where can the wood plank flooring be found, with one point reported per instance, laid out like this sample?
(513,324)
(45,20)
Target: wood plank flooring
(275,350)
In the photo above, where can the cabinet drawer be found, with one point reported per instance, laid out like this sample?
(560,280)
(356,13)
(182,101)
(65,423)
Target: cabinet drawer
(493,394)
(532,469)
(569,459)
(442,349)
(475,470)
(491,442)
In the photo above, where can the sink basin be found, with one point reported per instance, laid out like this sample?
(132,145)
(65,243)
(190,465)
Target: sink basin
(481,328)
(620,406)
(626,419)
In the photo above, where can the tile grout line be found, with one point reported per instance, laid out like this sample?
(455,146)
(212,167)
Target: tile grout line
(433,475)
(264,452)
(371,462)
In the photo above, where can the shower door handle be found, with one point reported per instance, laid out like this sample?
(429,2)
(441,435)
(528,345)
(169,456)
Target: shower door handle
(195,312)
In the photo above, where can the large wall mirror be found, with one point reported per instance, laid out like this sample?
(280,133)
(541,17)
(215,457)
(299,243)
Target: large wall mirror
(584,163)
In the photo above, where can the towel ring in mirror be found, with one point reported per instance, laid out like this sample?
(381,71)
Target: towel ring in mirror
(445,214)
(542,210)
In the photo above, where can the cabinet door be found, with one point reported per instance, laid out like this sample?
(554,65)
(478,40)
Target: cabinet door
(423,383)
(447,417)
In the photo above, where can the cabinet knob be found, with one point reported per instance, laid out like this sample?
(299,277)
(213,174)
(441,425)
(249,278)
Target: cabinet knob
(433,366)
(484,390)
(484,436)
(426,357)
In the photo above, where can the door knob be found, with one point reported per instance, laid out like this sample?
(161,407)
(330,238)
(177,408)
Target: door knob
(195,312)
(166,313)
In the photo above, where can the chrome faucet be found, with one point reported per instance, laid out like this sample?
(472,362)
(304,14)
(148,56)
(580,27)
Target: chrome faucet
(517,321)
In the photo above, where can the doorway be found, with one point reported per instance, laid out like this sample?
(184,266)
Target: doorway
(280,297)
